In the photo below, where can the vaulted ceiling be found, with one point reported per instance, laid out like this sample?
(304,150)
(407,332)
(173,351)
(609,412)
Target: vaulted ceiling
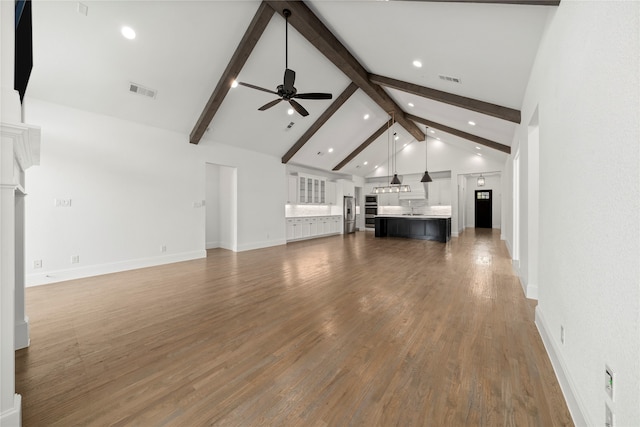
(360,51)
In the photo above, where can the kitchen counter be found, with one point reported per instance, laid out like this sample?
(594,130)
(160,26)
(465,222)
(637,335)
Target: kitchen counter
(425,227)
(416,216)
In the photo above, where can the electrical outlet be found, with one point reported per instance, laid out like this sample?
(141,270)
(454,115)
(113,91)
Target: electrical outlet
(562,334)
(608,381)
(37,263)
(608,416)
(62,203)
(75,259)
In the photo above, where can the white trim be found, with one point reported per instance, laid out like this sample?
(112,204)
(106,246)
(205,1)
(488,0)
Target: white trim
(21,338)
(260,245)
(12,417)
(114,267)
(212,245)
(574,403)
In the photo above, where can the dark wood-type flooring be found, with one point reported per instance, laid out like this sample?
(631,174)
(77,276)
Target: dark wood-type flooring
(338,331)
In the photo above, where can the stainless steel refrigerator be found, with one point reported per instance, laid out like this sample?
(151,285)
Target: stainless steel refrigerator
(349,215)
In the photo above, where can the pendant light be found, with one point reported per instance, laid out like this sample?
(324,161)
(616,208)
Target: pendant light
(481,181)
(395,180)
(426,177)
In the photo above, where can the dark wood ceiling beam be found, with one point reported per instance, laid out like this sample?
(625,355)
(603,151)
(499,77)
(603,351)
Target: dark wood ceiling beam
(312,28)
(521,2)
(364,145)
(461,134)
(251,36)
(335,105)
(487,108)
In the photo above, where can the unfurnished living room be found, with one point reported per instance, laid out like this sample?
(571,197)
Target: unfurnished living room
(320,213)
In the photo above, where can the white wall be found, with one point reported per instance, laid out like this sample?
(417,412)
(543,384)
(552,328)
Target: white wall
(132,189)
(585,87)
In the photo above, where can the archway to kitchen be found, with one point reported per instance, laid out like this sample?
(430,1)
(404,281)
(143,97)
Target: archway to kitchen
(221,207)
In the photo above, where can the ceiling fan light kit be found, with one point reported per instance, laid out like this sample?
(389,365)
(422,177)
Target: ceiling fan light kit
(286,91)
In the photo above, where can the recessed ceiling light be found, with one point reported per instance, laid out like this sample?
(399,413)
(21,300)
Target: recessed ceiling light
(234,84)
(438,139)
(472,123)
(479,154)
(417,64)
(375,167)
(405,144)
(396,137)
(128,33)
(365,163)
(366,117)
(432,131)
(290,111)
(330,150)
(478,148)
(411,104)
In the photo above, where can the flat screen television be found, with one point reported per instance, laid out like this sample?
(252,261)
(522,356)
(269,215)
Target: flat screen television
(23,47)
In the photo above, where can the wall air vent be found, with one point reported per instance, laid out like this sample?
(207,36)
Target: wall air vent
(141,90)
(450,79)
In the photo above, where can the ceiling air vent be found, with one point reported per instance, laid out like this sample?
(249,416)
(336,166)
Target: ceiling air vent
(141,90)
(450,79)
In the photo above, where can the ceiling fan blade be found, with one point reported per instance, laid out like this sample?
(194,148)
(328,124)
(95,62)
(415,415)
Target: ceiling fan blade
(299,108)
(289,80)
(269,104)
(257,88)
(313,96)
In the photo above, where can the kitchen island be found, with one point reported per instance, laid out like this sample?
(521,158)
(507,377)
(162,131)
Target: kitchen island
(425,227)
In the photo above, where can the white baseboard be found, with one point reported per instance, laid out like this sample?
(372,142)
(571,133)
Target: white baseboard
(21,338)
(114,267)
(532,292)
(213,245)
(12,417)
(260,245)
(575,405)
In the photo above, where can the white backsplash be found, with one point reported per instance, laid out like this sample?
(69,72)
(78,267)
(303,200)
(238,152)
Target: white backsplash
(311,210)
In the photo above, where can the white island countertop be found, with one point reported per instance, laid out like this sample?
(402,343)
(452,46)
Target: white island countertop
(414,216)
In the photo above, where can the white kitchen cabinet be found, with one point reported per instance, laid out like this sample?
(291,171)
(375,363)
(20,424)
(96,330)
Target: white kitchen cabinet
(302,189)
(292,187)
(336,224)
(439,192)
(310,189)
(299,228)
(331,193)
(388,199)
(348,187)
(313,226)
(291,227)
(310,227)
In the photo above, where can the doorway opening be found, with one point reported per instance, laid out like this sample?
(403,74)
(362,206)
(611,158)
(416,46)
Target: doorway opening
(221,207)
(483,209)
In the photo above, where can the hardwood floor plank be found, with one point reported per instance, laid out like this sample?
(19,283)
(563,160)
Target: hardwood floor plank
(345,330)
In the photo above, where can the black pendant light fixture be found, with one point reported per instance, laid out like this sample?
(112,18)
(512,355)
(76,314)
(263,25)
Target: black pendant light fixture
(395,180)
(426,177)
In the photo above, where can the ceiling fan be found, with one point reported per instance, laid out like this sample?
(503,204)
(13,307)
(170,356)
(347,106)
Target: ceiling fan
(286,91)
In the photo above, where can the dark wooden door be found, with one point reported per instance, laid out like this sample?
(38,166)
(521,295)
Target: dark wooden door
(483,209)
